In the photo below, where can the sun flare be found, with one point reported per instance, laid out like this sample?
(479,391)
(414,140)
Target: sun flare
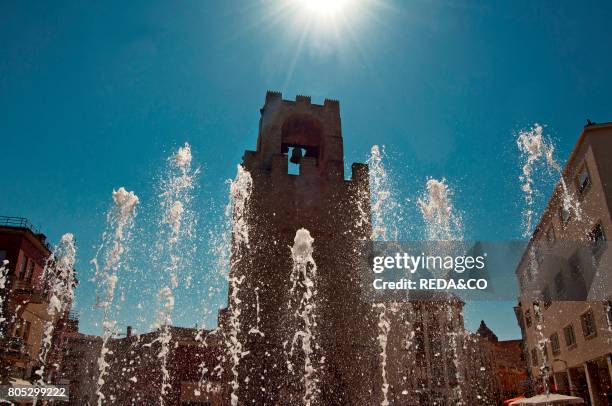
(324,7)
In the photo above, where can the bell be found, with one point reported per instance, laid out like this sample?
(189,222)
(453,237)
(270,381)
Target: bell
(296,156)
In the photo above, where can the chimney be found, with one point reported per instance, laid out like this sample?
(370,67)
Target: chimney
(128,333)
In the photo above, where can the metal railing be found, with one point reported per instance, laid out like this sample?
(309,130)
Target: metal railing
(18,222)
(29,291)
(22,285)
(17,345)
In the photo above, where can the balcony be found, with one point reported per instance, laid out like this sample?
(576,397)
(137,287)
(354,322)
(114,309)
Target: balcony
(16,349)
(24,290)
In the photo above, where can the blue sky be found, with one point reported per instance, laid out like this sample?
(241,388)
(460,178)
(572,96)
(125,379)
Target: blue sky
(95,96)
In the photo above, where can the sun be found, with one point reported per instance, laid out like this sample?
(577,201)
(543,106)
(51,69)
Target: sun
(312,31)
(324,7)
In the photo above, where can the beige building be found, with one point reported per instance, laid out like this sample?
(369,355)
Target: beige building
(565,278)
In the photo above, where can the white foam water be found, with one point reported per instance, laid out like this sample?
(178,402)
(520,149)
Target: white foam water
(384,327)
(303,302)
(59,278)
(256,330)
(537,152)
(608,310)
(385,210)
(120,221)
(384,219)
(542,342)
(220,249)
(240,194)
(442,221)
(443,224)
(176,230)
(3,285)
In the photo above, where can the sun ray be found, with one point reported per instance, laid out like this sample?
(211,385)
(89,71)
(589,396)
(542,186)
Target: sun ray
(296,55)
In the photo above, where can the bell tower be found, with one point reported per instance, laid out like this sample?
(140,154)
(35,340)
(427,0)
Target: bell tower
(332,208)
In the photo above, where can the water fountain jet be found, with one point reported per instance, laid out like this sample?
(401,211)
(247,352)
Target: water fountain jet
(58,274)
(303,280)
(120,220)
(176,228)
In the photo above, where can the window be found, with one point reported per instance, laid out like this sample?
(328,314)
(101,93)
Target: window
(538,253)
(550,235)
(537,311)
(21,329)
(534,357)
(583,180)
(30,272)
(26,330)
(560,284)
(588,324)
(452,374)
(546,297)
(528,274)
(570,337)
(528,318)
(598,240)
(554,344)
(22,268)
(564,214)
(436,348)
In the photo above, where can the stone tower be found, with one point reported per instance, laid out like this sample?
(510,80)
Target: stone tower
(320,199)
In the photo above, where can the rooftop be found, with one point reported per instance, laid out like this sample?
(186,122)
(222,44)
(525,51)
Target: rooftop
(17,222)
(24,224)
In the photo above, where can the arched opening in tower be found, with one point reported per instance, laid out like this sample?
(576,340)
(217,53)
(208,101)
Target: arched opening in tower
(302,138)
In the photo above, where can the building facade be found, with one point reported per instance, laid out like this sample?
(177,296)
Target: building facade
(24,308)
(425,353)
(508,363)
(134,371)
(565,279)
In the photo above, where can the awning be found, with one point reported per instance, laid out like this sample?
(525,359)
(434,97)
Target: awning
(550,399)
(508,401)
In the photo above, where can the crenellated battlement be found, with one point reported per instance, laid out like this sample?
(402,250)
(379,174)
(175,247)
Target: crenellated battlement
(273,98)
(303,99)
(310,133)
